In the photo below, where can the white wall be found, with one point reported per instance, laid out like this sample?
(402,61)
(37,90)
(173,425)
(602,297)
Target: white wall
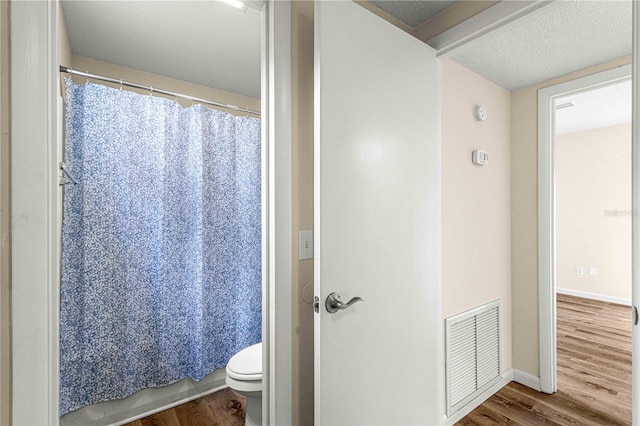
(593,211)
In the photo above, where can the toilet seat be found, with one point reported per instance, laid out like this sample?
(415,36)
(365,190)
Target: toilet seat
(246,365)
(244,376)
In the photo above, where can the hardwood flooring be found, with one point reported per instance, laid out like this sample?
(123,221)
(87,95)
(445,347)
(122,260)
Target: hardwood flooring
(594,373)
(594,380)
(222,408)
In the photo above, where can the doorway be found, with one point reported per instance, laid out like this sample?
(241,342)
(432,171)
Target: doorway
(548,99)
(593,244)
(35,245)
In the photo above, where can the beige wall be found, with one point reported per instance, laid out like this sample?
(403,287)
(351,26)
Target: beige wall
(524,216)
(302,209)
(82,63)
(476,209)
(5,220)
(64,51)
(593,210)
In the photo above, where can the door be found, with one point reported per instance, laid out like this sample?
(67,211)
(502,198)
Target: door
(377,222)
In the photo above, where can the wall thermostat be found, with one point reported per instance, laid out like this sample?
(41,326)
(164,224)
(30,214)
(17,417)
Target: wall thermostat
(480,112)
(480,157)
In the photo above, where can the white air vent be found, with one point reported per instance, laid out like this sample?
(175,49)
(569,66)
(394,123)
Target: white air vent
(473,354)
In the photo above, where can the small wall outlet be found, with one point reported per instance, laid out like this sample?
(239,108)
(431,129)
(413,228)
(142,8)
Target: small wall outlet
(593,271)
(579,270)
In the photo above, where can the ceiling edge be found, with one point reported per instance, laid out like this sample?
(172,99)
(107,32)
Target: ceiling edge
(451,17)
(440,23)
(384,15)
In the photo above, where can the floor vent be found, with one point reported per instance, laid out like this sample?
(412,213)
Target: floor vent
(472,354)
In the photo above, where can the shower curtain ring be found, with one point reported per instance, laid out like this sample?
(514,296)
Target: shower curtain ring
(151,94)
(87,74)
(120,84)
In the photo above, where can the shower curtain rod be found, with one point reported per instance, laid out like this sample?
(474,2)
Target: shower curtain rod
(155,90)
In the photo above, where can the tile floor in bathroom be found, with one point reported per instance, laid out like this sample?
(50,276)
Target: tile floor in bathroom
(222,408)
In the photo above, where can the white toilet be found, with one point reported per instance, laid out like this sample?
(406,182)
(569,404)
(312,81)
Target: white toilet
(244,375)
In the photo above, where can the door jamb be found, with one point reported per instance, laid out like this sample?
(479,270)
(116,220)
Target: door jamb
(546,213)
(276,255)
(635,222)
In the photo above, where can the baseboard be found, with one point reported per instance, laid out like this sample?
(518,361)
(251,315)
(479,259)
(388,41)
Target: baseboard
(145,402)
(595,296)
(507,377)
(526,379)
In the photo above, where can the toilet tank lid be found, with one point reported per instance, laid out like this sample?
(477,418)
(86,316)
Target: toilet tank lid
(246,364)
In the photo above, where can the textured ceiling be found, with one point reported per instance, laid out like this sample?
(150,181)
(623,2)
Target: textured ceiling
(213,44)
(565,38)
(602,107)
(413,12)
(203,42)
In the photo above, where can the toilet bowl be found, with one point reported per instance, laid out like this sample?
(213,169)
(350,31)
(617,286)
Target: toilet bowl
(244,375)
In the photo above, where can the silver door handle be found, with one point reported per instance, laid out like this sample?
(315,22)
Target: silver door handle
(335,304)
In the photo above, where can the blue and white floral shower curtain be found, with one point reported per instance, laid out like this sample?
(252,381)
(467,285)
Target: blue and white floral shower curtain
(161,245)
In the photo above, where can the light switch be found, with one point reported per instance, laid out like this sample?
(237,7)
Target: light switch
(305,245)
(593,271)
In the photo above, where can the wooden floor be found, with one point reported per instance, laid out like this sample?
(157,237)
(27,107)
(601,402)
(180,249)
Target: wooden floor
(594,380)
(594,373)
(223,408)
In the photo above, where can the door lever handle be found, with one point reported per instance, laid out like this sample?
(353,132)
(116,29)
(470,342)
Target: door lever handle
(335,304)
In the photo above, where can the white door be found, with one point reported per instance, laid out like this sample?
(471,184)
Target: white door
(377,222)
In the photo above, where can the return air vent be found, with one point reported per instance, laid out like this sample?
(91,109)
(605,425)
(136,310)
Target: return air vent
(472,354)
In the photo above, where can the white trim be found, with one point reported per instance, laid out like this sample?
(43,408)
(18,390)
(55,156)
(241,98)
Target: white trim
(635,239)
(507,377)
(546,243)
(35,252)
(277,347)
(526,379)
(546,213)
(317,223)
(594,296)
(487,23)
(511,375)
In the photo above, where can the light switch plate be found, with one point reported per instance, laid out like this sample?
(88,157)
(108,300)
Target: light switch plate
(305,245)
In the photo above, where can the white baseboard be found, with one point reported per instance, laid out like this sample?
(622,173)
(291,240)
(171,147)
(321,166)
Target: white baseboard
(595,296)
(526,379)
(145,402)
(507,377)
(514,375)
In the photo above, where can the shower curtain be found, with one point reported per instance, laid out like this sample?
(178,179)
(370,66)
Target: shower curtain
(161,243)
